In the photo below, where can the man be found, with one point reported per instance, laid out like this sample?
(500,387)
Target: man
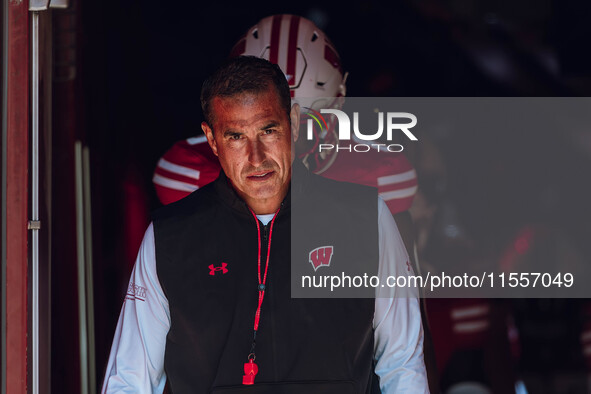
(209,300)
(314,72)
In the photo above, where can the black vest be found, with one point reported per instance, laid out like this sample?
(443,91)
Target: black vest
(206,259)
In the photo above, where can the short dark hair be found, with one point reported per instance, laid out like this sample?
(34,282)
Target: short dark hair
(244,74)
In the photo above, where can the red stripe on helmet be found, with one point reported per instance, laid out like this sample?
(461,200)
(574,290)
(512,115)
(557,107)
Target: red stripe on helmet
(275,32)
(292,50)
(332,57)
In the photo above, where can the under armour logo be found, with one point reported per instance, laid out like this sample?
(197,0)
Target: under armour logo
(213,270)
(320,256)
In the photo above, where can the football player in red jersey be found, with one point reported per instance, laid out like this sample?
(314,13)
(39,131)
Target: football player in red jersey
(475,341)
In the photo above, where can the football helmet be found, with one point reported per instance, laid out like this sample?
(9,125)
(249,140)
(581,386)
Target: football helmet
(313,71)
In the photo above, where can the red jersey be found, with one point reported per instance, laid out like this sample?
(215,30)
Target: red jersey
(184,168)
(391,173)
(458,324)
(190,164)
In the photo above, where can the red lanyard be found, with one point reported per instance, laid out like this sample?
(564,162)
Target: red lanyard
(250,368)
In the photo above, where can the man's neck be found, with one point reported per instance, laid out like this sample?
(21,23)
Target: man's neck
(265,207)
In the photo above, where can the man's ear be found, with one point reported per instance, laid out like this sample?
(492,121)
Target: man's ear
(209,134)
(294,116)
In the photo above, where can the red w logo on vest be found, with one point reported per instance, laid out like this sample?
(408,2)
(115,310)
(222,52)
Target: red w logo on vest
(320,257)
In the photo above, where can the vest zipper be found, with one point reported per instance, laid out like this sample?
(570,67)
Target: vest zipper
(266,234)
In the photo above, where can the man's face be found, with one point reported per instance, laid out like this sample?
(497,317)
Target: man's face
(252,137)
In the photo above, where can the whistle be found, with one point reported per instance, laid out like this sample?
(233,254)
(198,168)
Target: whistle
(250,370)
